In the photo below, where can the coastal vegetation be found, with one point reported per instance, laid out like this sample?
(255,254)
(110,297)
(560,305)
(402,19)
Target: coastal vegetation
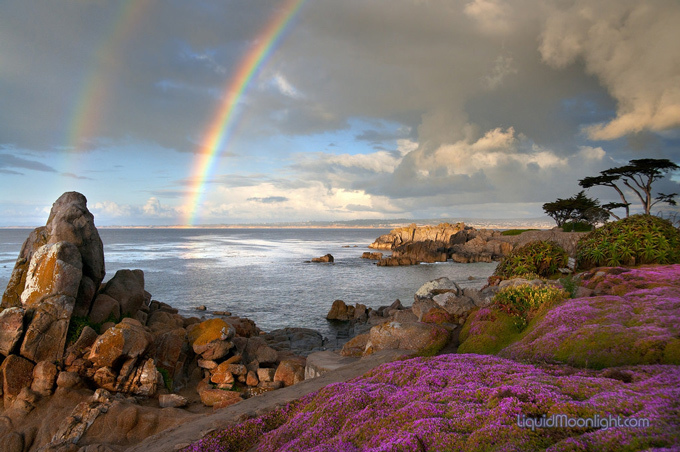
(638,176)
(540,258)
(513,232)
(635,240)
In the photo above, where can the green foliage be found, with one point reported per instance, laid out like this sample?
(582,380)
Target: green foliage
(512,232)
(487,332)
(77,324)
(75,328)
(638,239)
(524,301)
(579,208)
(570,285)
(167,379)
(541,258)
(577,226)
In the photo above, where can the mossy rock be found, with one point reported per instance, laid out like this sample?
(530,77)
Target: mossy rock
(487,331)
(210,330)
(638,324)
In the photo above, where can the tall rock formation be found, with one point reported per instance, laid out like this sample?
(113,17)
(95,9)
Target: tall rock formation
(59,269)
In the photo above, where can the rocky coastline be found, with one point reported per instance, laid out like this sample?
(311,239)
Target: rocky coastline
(413,244)
(94,366)
(77,352)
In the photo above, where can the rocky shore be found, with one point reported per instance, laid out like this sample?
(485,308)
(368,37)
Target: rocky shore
(413,244)
(77,353)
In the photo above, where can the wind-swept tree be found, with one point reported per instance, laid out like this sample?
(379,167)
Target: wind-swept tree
(638,175)
(578,208)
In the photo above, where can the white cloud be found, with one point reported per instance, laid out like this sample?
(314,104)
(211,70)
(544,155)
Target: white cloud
(490,15)
(284,86)
(632,47)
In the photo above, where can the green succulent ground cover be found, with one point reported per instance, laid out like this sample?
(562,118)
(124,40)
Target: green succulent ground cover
(539,258)
(638,239)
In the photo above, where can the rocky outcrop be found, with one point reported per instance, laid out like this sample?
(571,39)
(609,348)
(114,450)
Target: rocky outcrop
(326,258)
(372,256)
(421,337)
(400,236)
(65,332)
(460,243)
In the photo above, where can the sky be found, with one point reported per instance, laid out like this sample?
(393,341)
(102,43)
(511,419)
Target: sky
(253,111)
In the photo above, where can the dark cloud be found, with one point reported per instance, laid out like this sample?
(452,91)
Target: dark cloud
(75,176)
(269,199)
(12,161)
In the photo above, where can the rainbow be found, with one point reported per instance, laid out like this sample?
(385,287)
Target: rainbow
(224,121)
(87,112)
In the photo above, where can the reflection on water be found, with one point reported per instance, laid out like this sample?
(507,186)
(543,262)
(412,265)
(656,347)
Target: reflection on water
(261,273)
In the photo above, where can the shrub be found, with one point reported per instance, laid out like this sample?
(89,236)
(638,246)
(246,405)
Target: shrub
(577,226)
(570,285)
(524,301)
(511,232)
(75,328)
(638,239)
(541,258)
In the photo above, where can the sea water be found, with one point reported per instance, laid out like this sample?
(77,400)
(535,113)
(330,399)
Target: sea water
(262,274)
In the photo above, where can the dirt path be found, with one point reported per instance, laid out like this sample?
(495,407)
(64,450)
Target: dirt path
(185,434)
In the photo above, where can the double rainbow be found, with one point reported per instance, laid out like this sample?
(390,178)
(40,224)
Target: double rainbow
(224,121)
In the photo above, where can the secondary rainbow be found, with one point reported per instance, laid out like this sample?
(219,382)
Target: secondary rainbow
(97,87)
(224,121)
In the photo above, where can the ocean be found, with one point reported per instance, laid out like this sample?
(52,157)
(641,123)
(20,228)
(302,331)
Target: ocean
(262,274)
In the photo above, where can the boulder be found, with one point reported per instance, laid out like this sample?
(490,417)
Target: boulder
(216,397)
(44,378)
(326,258)
(355,346)
(421,337)
(68,380)
(256,349)
(436,287)
(12,295)
(265,374)
(143,381)
(222,375)
(422,306)
(161,321)
(424,251)
(11,329)
(86,294)
(244,327)
(251,379)
(172,401)
(126,340)
(17,373)
(372,256)
(397,261)
(340,311)
(45,336)
(320,363)
(104,308)
(457,306)
(290,371)
(172,351)
(299,341)
(127,287)
(55,269)
(70,221)
(210,338)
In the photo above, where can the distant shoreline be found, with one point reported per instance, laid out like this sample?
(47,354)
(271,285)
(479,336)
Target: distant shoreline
(478,224)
